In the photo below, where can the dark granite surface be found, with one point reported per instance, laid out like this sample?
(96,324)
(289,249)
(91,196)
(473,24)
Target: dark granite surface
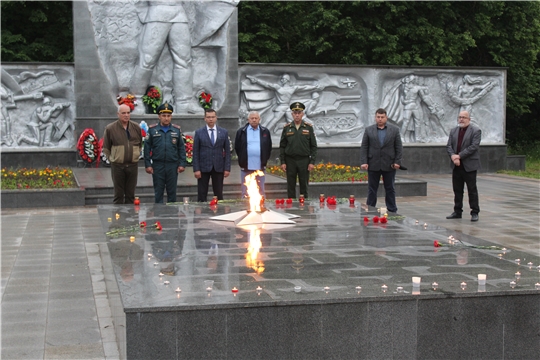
(327,247)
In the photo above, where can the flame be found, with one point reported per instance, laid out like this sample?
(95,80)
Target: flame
(254,247)
(255,197)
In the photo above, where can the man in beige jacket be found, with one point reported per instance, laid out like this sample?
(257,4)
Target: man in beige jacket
(122,142)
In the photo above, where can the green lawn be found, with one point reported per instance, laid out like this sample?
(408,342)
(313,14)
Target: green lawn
(532,161)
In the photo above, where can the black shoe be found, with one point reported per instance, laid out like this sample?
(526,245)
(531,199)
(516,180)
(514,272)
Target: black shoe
(474,217)
(455,215)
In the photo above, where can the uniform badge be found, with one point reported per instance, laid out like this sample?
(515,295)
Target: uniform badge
(174,140)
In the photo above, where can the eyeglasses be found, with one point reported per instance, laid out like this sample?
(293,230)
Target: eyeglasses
(463,117)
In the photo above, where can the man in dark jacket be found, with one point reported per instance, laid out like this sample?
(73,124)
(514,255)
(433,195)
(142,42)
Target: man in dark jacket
(164,154)
(122,142)
(380,155)
(253,145)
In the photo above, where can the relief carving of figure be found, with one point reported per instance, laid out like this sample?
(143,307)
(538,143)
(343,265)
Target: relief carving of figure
(6,97)
(284,92)
(472,89)
(42,125)
(404,105)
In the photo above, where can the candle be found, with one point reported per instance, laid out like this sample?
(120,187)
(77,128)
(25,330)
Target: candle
(512,284)
(518,260)
(416,222)
(399,289)
(178,290)
(358,289)
(500,255)
(149,255)
(482,279)
(425,225)
(435,285)
(117,216)
(416,281)
(136,201)
(186,200)
(259,288)
(326,289)
(109,219)
(301,199)
(518,275)
(234,290)
(351,199)
(160,274)
(297,289)
(156,263)
(463,285)
(132,239)
(166,282)
(384,288)
(321,198)
(537,286)
(530,264)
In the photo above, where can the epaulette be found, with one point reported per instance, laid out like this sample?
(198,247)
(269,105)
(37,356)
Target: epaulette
(151,126)
(287,124)
(308,124)
(176,126)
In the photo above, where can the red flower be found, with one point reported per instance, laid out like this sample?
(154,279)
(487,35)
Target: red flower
(214,202)
(158,225)
(366,219)
(375,219)
(383,220)
(289,201)
(437,244)
(142,224)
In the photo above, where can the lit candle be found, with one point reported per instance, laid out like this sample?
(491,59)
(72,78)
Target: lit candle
(537,286)
(136,201)
(109,219)
(149,255)
(500,255)
(518,275)
(530,264)
(234,290)
(156,264)
(166,282)
(358,289)
(416,222)
(399,289)
(178,290)
(512,284)
(259,288)
(297,289)
(132,239)
(538,267)
(425,225)
(384,288)
(463,285)
(301,199)
(209,289)
(518,260)
(117,216)
(326,289)
(160,274)
(435,286)
(351,199)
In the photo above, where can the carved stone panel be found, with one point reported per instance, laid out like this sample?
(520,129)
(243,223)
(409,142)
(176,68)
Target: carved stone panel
(341,100)
(38,106)
(182,47)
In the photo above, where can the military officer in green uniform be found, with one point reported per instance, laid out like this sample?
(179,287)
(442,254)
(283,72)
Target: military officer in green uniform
(297,151)
(164,154)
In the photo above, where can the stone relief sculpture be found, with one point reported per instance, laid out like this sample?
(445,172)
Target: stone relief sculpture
(332,102)
(404,104)
(472,89)
(179,46)
(34,103)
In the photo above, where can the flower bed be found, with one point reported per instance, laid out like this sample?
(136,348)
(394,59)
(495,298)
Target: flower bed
(47,178)
(328,173)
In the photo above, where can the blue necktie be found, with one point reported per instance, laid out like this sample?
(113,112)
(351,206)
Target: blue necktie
(212,136)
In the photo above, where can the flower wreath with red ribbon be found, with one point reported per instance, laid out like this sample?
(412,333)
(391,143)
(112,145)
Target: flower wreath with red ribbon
(88,146)
(188,142)
(205,100)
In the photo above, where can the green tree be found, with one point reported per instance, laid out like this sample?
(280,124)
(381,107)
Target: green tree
(40,31)
(440,33)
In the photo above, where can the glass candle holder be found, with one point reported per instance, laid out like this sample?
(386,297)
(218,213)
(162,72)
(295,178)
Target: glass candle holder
(321,198)
(351,199)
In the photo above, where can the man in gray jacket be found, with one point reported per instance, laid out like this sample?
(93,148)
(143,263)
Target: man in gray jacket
(380,155)
(463,148)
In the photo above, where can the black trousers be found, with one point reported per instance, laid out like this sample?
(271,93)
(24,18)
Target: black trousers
(460,177)
(389,178)
(124,179)
(217,184)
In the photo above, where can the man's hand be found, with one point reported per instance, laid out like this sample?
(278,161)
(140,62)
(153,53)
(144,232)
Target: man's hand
(364,166)
(455,157)
(395,166)
(310,167)
(181,169)
(149,170)
(284,167)
(457,162)
(197,174)
(226,173)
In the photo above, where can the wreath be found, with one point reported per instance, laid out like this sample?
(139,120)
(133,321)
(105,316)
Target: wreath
(128,100)
(188,142)
(88,146)
(205,100)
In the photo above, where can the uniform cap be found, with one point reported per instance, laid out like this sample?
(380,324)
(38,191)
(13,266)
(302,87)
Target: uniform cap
(298,106)
(165,108)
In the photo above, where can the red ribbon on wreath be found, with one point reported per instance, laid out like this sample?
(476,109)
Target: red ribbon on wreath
(88,146)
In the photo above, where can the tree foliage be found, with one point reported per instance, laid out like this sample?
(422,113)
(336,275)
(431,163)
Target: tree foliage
(37,31)
(439,33)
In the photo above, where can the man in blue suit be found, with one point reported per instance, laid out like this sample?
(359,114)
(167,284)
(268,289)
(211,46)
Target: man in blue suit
(380,155)
(211,156)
